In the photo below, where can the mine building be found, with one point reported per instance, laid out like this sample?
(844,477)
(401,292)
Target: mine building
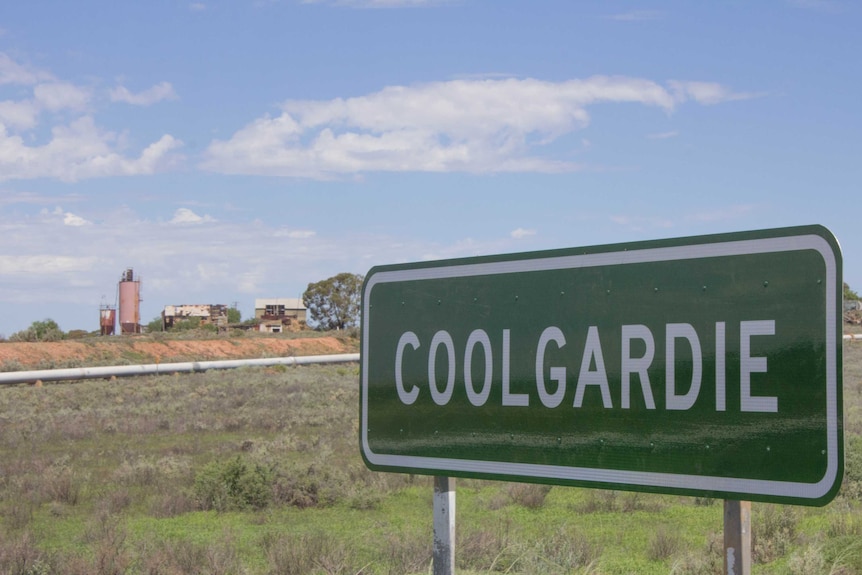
(277,314)
(209,314)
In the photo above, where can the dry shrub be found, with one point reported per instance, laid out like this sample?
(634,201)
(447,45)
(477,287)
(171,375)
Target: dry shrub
(529,495)
(845,524)
(172,504)
(709,562)
(304,554)
(185,557)
(663,545)
(567,551)
(599,501)
(19,555)
(486,550)
(139,472)
(316,485)
(640,502)
(807,561)
(408,553)
(61,486)
(773,532)
(113,501)
(17,514)
(108,539)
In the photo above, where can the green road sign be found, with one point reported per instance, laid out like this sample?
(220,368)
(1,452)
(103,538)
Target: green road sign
(708,365)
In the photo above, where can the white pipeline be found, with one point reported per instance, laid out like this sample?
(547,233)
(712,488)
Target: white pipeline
(76,373)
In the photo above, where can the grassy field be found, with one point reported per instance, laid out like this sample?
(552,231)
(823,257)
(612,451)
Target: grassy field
(257,471)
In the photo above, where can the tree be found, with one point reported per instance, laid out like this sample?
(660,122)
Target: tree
(849,293)
(334,303)
(234,315)
(45,330)
(157,324)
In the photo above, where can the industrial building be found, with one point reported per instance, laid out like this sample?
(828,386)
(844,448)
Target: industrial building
(209,314)
(277,314)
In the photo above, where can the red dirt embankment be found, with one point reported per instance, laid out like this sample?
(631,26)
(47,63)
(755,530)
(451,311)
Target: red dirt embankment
(120,350)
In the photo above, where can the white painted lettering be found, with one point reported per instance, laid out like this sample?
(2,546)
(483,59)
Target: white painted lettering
(599,377)
(639,365)
(749,365)
(442,337)
(674,331)
(478,336)
(720,372)
(509,398)
(407,338)
(558,374)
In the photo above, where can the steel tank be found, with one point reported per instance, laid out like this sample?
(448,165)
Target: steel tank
(107,320)
(130,303)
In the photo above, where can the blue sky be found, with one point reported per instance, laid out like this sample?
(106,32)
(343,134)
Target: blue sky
(233,150)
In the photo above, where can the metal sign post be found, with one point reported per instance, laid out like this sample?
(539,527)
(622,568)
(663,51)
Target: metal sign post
(444,526)
(737,537)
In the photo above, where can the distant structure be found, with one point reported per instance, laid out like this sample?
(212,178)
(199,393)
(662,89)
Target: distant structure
(107,319)
(209,314)
(130,303)
(276,314)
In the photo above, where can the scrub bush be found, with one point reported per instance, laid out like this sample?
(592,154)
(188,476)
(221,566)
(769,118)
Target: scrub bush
(233,485)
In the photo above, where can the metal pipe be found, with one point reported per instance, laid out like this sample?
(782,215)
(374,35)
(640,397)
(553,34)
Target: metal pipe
(77,373)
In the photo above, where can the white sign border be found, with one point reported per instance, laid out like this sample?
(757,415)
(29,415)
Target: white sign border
(761,487)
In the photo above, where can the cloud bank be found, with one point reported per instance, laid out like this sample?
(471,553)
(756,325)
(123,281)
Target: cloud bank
(75,147)
(476,126)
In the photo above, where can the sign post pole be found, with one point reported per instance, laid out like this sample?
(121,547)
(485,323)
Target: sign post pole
(737,537)
(444,526)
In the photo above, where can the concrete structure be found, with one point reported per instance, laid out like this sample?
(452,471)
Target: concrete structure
(209,314)
(276,314)
(130,303)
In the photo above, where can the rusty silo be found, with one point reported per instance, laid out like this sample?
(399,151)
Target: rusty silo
(130,303)
(107,319)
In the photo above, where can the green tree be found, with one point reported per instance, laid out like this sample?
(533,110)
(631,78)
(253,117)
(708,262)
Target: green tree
(233,315)
(156,325)
(849,293)
(334,303)
(45,330)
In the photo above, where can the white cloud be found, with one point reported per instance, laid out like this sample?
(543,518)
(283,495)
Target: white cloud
(159,92)
(521,233)
(197,6)
(60,95)
(66,269)
(480,126)
(78,151)
(707,93)
(186,216)
(294,234)
(76,148)
(21,115)
(71,219)
(50,265)
(12,72)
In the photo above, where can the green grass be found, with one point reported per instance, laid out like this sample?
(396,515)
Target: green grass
(110,477)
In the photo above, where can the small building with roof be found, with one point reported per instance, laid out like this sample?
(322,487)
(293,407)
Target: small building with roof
(278,314)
